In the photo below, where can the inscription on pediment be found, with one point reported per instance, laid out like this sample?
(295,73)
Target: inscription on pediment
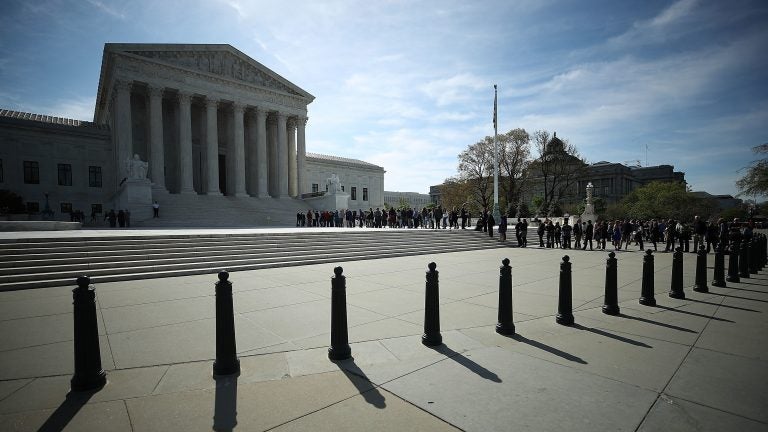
(219,63)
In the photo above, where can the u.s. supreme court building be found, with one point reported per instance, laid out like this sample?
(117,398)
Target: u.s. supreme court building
(176,123)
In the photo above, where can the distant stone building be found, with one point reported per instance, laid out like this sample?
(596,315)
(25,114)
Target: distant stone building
(412,199)
(363,181)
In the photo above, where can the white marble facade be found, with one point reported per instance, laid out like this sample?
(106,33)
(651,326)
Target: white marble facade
(202,119)
(207,118)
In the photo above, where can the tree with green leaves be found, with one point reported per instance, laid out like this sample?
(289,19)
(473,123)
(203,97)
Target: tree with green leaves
(755,180)
(668,200)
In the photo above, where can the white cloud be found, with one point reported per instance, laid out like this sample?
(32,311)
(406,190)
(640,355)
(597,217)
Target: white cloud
(457,88)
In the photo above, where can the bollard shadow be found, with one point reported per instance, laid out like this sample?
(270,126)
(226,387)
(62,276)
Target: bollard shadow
(467,363)
(60,418)
(693,313)
(552,350)
(365,387)
(225,403)
(741,289)
(722,305)
(740,298)
(742,281)
(612,336)
(658,323)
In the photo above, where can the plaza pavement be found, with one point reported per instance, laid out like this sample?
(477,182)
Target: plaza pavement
(699,364)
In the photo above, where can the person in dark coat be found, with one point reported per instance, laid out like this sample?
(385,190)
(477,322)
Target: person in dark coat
(490,222)
(540,232)
(588,233)
(518,229)
(503,229)
(121,218)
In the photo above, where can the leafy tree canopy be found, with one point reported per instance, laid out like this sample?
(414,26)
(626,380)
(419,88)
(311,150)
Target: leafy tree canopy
(669,200)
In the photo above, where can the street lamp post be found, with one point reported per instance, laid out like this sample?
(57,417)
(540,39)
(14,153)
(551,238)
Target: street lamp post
(496,215)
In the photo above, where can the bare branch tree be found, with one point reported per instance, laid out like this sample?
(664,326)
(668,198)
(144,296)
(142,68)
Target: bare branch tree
(514,156)
(559,165)
(476,168)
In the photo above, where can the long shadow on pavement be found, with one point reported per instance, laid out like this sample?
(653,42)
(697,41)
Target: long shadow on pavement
(740,298)
(467,363)
(693,313)
(612,336)
(225,403)
(520,338)
(60,418)
(670,326)
(367,389)
(722,305)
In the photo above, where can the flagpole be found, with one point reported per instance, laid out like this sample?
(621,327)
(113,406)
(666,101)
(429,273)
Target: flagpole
(496,214)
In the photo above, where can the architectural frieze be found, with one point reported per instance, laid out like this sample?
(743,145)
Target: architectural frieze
(133,65)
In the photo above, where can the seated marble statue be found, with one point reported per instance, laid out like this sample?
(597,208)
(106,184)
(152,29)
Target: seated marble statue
(136,168)
(334,184)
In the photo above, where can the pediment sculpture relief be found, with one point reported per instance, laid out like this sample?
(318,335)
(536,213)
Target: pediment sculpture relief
(218,63)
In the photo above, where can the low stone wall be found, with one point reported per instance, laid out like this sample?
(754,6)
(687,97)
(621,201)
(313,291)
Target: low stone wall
(39,225)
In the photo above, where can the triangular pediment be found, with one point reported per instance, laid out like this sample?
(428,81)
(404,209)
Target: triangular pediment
(221,60)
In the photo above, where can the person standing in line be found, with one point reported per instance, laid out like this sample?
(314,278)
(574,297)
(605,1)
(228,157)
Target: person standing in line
(463,217)
(540,232)
(588,233)
(503,229)
(490,222)
(518,228)
(155,210)
(577,232)
(524,232)
(566,234)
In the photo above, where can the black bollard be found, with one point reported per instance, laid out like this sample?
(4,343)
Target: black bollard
(565,298)
(676,287)
(226,362)
(753,252)
(339,349)
(646,295)
(701,270)
(88,372)
(744,260)
(733,263)
(506,325)
(611,303)
(432,336)
(718,278)
(763,251)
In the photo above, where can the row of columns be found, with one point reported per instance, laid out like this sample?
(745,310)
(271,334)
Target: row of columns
(288,152)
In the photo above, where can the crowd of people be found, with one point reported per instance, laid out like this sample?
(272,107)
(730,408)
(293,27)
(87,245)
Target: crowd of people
(620,234)
(424,218)
(625,233)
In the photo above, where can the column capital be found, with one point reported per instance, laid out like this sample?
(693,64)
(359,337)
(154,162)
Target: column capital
(123,85)
(184,97)
(156,91)
(302,120)
(291,124)
(238,108)
(211,101)
(261,111)
(282,116)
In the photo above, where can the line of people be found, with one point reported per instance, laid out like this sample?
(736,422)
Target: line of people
(426,218)
(622,233)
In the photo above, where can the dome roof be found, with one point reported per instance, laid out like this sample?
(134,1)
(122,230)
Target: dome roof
(555,145)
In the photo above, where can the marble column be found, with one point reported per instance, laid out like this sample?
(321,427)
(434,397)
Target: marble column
(261,153)
(123,125)
(156,144)
(301,157)
(282,155)
(185,143)
(212,146)
(292,157)
(272,155)
(239,147)
(251,163)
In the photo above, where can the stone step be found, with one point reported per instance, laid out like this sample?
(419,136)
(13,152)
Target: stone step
(180,255)
(130,258)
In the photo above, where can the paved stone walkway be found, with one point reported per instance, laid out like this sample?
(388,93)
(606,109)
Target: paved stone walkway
(685,365)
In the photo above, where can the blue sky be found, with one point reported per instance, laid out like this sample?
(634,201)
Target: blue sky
(409,84)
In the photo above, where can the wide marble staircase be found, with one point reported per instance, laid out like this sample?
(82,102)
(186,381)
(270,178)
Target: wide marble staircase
(35,263)
(220,211)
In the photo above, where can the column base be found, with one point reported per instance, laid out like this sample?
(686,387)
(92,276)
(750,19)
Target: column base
(214,193)
(187,192)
